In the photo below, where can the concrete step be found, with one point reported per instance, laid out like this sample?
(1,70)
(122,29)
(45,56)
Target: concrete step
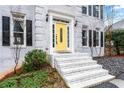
(73,58)
(71,55)
(87,60)
(75,70)
(81,77)
(80,70)
(91,82)
(76,64)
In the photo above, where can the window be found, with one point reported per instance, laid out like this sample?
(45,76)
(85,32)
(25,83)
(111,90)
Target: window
(89,10)
(68,35)
(84,9)
(90,38)
(84,38)
(101,11)
(94,38)
(18,29)
(97,38)
(53,35)
(20,32)
(102,39)
(96,10)
(5,31)
(61,35)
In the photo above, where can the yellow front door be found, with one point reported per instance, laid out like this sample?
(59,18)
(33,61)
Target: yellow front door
(61,37)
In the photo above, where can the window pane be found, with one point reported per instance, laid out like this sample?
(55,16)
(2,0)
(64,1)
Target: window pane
(94,38)
(68,35)
(97,38)
(61,36)
(96,10)
(90,10)
(18,39)
(101,39)
(84,10)
(90,38)
(101,11)
(53,35)
(84,41)
(18,26)
(84,38)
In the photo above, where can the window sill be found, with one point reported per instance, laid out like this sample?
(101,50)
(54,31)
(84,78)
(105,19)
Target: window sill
(22,47)
(85,46)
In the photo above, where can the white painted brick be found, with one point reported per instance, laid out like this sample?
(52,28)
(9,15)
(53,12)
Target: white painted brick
(40,23)
(39,10)
(40,30)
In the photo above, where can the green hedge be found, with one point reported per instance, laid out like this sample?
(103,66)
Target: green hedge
(34,60)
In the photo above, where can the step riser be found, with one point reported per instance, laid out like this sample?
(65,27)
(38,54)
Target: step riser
(75,59)
(76,62)
(85,78)
(74,55)
(80,71)
(91,83)
(77,65)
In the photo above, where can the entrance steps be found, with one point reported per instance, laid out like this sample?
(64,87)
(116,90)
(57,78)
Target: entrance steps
(80,70)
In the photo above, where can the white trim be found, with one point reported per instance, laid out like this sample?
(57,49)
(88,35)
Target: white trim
(53,14)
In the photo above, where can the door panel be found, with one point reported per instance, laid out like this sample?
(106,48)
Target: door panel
(61,36)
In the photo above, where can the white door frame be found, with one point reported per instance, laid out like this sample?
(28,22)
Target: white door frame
(62,16)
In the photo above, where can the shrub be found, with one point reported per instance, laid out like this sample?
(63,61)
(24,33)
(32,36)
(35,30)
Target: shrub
(33,79)
(8,83)
(34,60)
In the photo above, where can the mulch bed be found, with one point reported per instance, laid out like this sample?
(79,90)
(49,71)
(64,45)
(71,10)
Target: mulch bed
(54,79)
(115,66)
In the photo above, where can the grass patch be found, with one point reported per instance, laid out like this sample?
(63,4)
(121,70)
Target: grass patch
(34,79)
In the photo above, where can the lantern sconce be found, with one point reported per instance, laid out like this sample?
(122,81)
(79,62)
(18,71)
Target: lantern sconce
(97,28)
(75,23)
(47,17)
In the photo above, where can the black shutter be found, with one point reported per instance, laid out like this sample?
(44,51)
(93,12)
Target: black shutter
(101,39)
(5,31)
(90,38)
(28,32)
(94,38)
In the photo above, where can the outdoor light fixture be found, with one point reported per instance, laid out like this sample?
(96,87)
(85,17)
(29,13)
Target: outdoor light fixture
(47,16)
(75,23)
(97,28)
